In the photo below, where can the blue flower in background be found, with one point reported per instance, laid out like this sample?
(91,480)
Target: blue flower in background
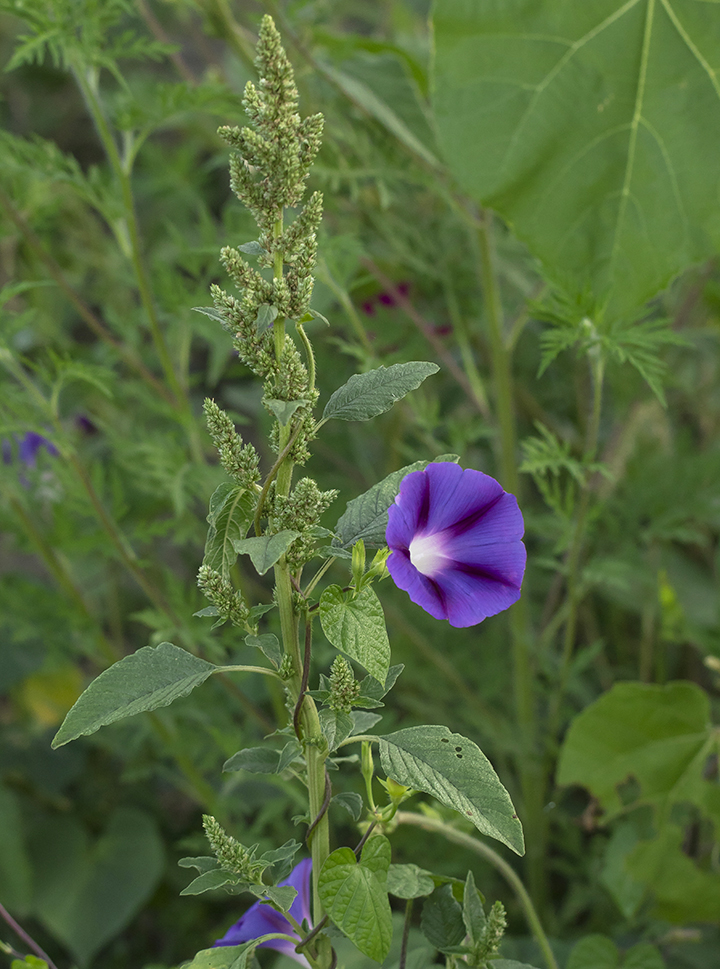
(30,444)
(455,538)
(260,919)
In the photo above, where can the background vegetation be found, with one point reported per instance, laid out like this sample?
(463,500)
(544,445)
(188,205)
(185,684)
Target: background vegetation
(600,411)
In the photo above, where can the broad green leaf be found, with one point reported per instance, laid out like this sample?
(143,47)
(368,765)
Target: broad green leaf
(266,316)
(231,511)
(266,550)
(256,760)
(226,957)
(592,128)
(643,956)
(656,734)
(357,627)
(366,516)
(284,409)
(442,922)
(86,891)
(409,881)
(365,395)
(351,802)
(151,677)
(355,896)
(596,951)
(456,772)
(269,644)
(682,891)
(336,726)
(209,881)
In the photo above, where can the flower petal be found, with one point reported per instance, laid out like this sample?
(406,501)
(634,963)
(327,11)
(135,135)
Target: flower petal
(422,590)
(455,540)
(456,494)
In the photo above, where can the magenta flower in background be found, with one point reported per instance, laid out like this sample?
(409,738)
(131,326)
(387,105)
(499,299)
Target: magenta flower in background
(456,543)
(260,919)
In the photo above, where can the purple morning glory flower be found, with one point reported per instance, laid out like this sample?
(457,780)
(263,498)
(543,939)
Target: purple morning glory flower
(455,538)
(30,444)
(261,919)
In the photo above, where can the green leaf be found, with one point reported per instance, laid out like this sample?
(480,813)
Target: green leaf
(252,248)
(351,802)
(361,95)
(409,881)
(643,956)
(209,881)
(366,516)
(232,509)
(681,890)
(473,911)
(456,772)
(269,644)
(266,550)
(357,627)
(593,129)
(86,891)
(509,964)
(657,734)
(366,395)
(152,677)
(281,895)
(266,316)
(442,922)
(355,896)
(211,312)
(284,409)
(256,760)
(336,726)
(596,951)
(226,957)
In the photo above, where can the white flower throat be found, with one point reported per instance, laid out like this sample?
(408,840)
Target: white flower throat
(427,553)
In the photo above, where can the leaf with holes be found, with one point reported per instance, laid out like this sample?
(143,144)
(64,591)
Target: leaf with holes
(456,772)
(592,128)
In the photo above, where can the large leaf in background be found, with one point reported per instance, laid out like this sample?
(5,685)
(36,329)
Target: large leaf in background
(593,128)
(660,735)
(87,893)
(455,771)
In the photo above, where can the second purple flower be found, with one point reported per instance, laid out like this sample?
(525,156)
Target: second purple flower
(456,543)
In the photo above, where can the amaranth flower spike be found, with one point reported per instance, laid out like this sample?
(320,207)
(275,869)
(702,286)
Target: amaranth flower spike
(455,538)
(260,919)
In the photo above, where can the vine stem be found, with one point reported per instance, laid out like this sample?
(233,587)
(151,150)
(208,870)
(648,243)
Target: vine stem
(27,939)
(500,865)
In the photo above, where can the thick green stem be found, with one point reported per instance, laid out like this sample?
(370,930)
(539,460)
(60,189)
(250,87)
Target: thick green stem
(500,865)
(310,731)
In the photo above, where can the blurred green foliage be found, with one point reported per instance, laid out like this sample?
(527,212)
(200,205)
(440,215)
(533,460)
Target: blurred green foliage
(115,202)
